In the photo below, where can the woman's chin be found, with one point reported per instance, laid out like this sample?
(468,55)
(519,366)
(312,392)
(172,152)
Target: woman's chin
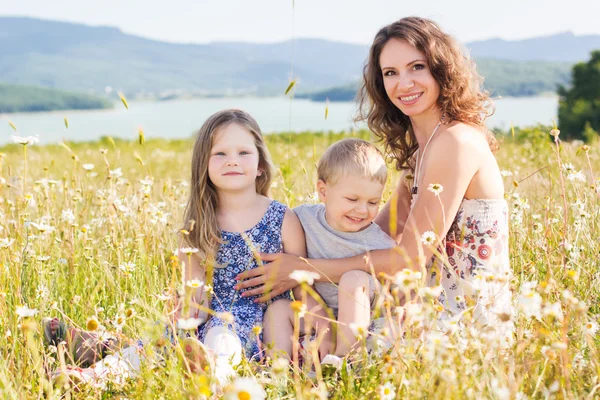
(414,111)
(410,111)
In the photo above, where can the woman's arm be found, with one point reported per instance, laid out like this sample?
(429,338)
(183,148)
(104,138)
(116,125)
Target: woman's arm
(400,202)
(451,162)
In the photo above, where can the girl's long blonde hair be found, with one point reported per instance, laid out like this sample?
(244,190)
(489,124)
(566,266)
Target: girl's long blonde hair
(200,220)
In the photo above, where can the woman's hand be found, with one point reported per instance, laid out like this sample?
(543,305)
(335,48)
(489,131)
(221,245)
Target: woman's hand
(271,279)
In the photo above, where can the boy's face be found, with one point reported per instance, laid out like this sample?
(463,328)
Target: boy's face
(352,203)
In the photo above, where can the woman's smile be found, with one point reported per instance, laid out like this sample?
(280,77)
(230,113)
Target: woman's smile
(411,99)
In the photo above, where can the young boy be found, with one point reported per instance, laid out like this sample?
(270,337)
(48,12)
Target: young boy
(352,175)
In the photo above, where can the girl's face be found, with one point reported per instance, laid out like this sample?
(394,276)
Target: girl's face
(407,78)
(233,163)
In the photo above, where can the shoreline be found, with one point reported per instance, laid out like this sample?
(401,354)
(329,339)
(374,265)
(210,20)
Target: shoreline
(131,103)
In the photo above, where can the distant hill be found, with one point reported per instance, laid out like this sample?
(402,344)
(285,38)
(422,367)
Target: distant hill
(563,47)
(88,59)
(502,78)
(16,98)
(73,56)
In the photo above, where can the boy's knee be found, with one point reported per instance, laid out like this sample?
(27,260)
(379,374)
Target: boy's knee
(353,279)
(278,309)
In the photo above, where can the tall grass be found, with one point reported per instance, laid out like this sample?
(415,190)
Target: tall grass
(82,242)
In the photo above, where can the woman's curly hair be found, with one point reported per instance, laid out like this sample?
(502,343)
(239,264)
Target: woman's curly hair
(461,98)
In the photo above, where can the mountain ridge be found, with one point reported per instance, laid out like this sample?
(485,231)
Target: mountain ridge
(72,56)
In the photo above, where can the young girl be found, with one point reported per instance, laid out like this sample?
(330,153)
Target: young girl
(230,218)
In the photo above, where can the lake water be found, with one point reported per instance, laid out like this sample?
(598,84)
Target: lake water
(180,118)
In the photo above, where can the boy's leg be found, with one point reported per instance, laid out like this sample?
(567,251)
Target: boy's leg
(354,308)
(317,323)
(278,329)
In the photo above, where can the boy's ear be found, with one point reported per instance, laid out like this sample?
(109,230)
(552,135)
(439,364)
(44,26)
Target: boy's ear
(322,190)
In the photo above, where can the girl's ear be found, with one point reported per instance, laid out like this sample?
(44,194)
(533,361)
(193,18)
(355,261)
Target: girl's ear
(322,190)
(259,172)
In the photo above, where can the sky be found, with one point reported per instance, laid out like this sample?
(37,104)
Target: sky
(351,21)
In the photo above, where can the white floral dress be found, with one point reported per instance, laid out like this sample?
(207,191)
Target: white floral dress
(476,270)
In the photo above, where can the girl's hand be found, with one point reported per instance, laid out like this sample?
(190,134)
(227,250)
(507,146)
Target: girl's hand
(271,279)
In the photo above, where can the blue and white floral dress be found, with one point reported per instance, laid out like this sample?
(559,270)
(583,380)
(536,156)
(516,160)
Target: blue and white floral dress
(235,256)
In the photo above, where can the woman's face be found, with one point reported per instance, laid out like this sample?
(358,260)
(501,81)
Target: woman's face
(407,79)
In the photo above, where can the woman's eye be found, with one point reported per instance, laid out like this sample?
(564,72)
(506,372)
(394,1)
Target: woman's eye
(389,73)
(418,66)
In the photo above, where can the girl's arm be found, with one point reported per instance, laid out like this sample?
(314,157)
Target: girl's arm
(452,162)
(292,234)
(294,243)
(192,271)
(294,240)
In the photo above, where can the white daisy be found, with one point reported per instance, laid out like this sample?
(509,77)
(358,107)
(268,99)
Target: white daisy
(435,188)
(24,311)
(428,238)
(307,277)
(188,323)
(194,283)
(387,391)
(246,388)
(188,250)
(24,140)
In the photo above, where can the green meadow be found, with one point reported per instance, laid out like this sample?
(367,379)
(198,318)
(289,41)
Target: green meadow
(88,233)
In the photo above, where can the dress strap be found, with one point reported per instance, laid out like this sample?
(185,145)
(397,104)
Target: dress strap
(276,213)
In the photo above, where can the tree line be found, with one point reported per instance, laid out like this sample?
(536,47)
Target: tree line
(17,98)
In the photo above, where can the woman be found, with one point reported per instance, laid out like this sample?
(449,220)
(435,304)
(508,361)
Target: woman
(424,99)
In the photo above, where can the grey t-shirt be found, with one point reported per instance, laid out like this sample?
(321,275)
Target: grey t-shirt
(322,241)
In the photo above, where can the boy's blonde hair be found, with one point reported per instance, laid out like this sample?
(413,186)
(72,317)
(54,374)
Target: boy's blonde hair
(354,157)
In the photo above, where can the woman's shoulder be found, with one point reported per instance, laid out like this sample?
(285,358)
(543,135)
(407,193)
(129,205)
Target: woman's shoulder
(458,138)
(460,132)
